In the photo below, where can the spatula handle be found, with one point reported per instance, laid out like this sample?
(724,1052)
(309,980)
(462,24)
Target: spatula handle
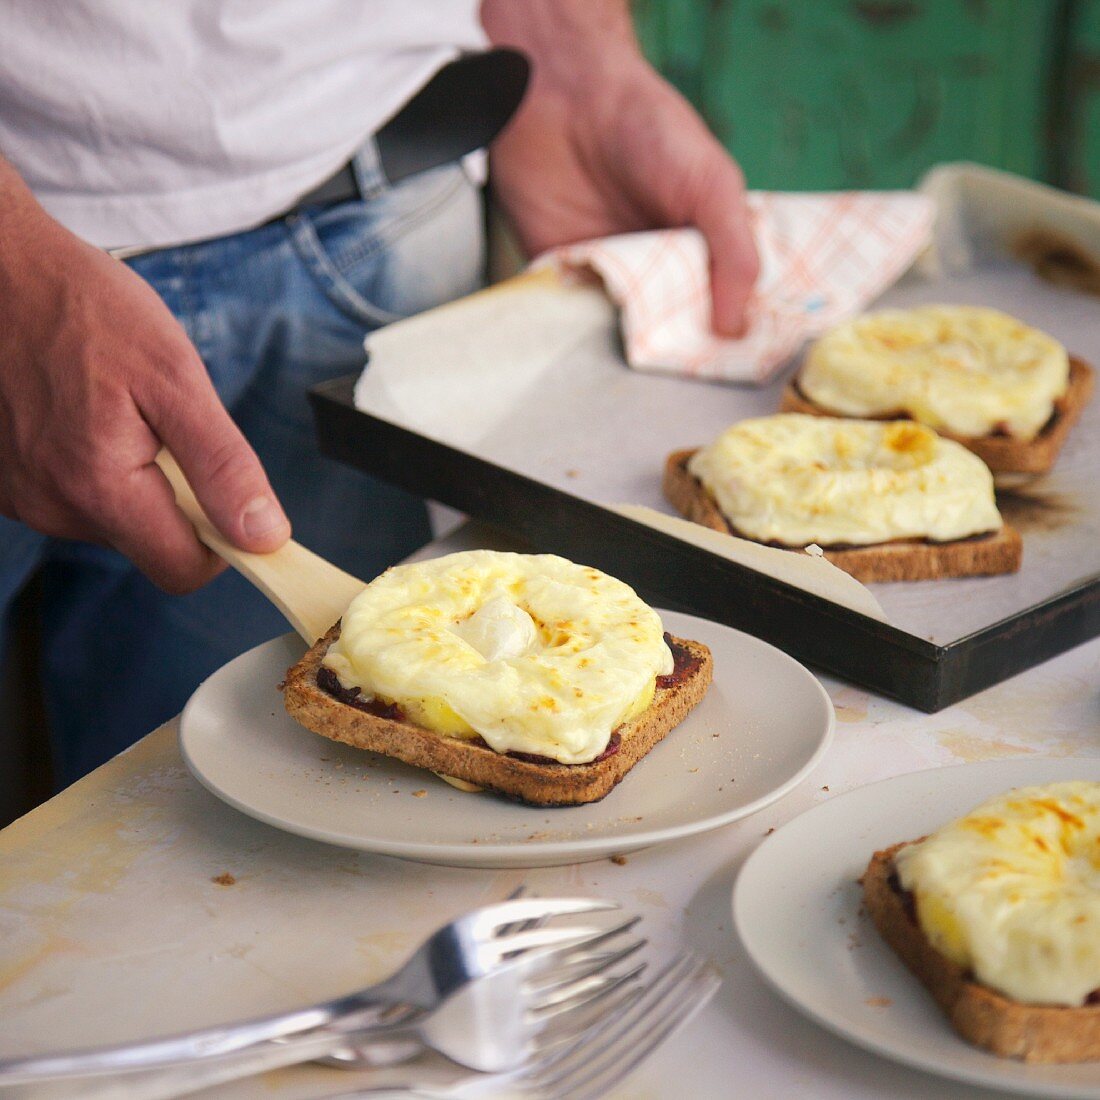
(310,592)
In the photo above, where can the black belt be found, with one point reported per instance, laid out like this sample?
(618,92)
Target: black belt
(462,108)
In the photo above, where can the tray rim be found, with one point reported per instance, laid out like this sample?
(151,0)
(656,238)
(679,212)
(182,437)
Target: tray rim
(918,672)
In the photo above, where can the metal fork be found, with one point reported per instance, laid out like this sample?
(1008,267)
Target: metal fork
(504,942)
(587,1067)
(494,1024)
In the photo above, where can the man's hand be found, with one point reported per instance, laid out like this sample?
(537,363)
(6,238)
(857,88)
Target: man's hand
(95,376)
(603,145)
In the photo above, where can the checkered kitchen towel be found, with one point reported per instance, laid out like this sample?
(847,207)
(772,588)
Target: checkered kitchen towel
(823,258)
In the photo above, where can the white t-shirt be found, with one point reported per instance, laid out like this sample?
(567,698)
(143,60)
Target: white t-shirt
(156,122)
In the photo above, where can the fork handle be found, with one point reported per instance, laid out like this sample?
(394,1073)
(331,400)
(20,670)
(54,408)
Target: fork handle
(164,1081)
(337,1018)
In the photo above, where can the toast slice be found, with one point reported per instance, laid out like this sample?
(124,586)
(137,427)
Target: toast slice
(899,560)
(1001,453)
(982,1016)
(537,781)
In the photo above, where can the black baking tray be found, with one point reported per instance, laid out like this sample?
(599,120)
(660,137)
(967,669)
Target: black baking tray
(677,575)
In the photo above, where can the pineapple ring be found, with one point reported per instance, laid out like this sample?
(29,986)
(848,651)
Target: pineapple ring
(532,653)
(793,479)
(1012,892)
(961,369)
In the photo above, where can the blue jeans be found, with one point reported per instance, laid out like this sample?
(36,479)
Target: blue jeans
(272,312)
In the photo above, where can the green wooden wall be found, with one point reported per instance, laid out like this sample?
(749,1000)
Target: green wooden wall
(1081,134)
(812,94)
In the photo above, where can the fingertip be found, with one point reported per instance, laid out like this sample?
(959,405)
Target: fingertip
(733,276)
(727,318)
(264,524)
(734,269)
(729,308)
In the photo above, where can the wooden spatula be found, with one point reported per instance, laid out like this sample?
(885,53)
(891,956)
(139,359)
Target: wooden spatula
(311,592)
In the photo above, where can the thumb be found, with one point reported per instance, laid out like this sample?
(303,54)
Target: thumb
(223,470)
(723,217)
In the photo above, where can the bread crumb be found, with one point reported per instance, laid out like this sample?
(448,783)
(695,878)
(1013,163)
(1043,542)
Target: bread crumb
(619,861)
(770,831)
(879,1002)
(420,793)
(693,770)
(825,788)
(225,879)
(572,473)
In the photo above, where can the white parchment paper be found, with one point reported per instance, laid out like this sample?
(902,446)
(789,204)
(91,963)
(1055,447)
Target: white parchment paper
(533,379)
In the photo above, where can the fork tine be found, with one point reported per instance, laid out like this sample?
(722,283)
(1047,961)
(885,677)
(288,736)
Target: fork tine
(695,997)
(594,935)
(603,935)
(568,1019)
(518,926)
(579,994)
(608,1031)
(564,979)
(553,1046)
(524,909)
(609,1053)
(566,944)
(611,1029)
(546,943)
(523,925)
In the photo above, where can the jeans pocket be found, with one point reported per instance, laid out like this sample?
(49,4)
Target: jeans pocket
(411,247)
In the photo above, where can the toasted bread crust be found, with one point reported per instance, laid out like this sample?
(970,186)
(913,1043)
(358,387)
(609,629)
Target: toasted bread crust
(982,1016)
(1001,453)
(533,783)
(900,560)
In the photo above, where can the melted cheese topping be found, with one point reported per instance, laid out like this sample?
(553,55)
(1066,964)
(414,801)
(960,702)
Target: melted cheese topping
(795,480)
(1012,892)
(960,369)
(530,652)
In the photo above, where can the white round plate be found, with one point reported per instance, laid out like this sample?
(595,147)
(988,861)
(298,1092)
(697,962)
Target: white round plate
(762,726)
(796,907)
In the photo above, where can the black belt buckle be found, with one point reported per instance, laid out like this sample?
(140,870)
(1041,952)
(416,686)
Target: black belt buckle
(461,109)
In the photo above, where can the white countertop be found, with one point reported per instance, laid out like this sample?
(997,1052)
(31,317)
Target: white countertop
(113,924)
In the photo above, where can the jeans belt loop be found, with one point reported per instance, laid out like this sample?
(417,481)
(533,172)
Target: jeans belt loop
(366,174)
